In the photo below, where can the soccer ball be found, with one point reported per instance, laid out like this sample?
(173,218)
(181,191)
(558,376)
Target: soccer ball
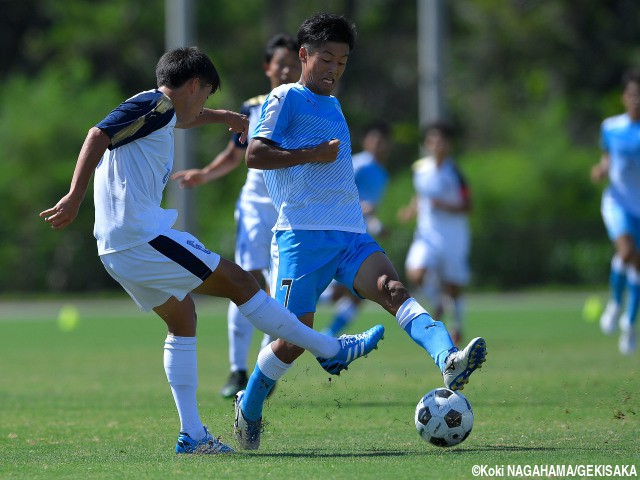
(444,418)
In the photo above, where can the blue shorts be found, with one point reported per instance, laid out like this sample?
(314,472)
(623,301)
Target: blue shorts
(618,220)
(308,260)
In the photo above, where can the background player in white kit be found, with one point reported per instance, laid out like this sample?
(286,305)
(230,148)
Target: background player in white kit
(131,152)
(620,162)
(437,261)
(255,214)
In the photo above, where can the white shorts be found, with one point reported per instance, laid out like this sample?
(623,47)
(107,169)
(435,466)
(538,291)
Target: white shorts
(447,259)
(170,265)
(253,237)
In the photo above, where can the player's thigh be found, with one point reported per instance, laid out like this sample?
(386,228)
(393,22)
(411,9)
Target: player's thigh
(172,264)
(230,281)
(304,263)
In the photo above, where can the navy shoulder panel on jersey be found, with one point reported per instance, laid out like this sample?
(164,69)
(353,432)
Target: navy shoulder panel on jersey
(137,117)
(249,108)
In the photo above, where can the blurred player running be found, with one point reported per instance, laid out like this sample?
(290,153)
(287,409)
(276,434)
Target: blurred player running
(620,161)
(437,261)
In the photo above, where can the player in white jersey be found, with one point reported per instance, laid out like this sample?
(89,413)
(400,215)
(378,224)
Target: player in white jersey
(620,162)
(131,152)
(437,261)
(255,214)
(303,145)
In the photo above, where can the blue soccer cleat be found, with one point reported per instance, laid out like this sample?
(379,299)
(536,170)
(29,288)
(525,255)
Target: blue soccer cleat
(352,347)
(206,446)
(461,364)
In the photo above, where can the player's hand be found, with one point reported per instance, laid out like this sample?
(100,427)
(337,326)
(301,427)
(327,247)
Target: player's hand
(238,123)
(327,152)
(598,173)
(61,216)
(190,178)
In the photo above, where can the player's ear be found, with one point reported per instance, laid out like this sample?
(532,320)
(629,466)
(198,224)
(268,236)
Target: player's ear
(302,54)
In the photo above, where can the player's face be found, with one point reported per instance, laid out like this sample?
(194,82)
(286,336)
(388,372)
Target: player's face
(198,93)
(437,144)
(323,66)
(284,67)
(631,100)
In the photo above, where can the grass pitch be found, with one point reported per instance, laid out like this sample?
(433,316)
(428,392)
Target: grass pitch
(93,401)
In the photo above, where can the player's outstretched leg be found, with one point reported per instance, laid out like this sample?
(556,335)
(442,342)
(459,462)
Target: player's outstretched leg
(247,432)
(352,347)
(461,364)
(206,446)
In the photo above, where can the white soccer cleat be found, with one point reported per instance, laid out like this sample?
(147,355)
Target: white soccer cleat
(627,343)
(461,364)
(609,318)
(247,432)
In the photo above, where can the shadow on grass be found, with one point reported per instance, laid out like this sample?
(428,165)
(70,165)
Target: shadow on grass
(403,453)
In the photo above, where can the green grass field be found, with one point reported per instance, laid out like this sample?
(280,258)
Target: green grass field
(94,402)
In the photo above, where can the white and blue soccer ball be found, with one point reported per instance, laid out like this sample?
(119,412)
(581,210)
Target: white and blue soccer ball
(444,418)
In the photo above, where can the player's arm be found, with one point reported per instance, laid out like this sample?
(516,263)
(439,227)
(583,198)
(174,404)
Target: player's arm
(237,122)
(225,162)
(66,210)
(408,212)
(266,155)
(600,170)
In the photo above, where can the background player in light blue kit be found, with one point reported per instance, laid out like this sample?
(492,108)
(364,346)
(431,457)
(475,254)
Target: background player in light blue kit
(620,161)
(254,213)
(131,152)
(302,142)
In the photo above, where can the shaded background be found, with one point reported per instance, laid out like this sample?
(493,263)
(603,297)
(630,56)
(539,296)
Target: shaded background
(526,81)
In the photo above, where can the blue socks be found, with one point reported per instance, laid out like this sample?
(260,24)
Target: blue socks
(633,294)
(432,336)
(256,392)
(617,279)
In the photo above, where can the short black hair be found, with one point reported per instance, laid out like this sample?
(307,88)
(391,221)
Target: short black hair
(377,126)
(326,27)
(444,128)
(280,40)
(631,76)
(177,66)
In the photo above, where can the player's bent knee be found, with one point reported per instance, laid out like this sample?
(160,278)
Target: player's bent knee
(393,291)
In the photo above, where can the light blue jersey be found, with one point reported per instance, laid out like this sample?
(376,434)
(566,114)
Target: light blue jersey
(371,178)
(312,196)
(620,137)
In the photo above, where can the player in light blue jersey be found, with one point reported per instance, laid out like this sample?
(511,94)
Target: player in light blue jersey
(303,145)
(371,180)
(130,154)
(254,213)
(620,161)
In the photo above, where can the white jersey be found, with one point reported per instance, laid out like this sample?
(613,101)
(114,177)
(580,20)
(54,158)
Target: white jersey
(133,172)
(254,189)
(443,183)
(313,196)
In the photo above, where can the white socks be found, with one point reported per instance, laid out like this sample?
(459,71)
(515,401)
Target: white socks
(181,367)
(409,310)
(240,332)
(272,318)
(270,365)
